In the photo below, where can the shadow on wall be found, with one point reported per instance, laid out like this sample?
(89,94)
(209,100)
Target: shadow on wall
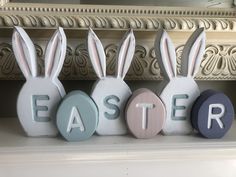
(9,91)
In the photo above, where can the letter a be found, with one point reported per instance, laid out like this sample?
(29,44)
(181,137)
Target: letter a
(75,121)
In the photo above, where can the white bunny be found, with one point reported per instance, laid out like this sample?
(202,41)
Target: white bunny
(38,99)
(111,92)
(181,91)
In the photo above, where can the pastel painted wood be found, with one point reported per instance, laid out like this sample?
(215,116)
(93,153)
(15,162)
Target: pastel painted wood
(212,114)
(180,92)
(197,104)
(111,93)
(145,114)
(77,116)
(39,97)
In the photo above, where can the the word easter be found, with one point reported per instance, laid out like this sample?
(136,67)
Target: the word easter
(43,107)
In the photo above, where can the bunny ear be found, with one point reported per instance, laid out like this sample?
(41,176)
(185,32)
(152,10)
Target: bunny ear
(125,54)
(55,53)
(96,54)
(165,52)
(193,52)
(25,53)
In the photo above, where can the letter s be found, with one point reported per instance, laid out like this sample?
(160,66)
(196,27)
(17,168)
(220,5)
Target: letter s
(112,106)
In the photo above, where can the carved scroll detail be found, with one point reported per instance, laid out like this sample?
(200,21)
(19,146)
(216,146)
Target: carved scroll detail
(219,63)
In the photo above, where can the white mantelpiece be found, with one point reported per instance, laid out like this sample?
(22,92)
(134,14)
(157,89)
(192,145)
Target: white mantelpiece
(117,156)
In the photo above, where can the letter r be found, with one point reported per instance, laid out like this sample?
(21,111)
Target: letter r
(217,117)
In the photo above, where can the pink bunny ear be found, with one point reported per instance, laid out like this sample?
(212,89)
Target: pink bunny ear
(55,54)
(125,54)
(193,52)
(96,54)
(25,53)
(165,52)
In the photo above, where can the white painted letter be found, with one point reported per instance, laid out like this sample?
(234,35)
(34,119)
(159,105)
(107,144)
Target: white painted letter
(145,107)
(75,121)
(216,117)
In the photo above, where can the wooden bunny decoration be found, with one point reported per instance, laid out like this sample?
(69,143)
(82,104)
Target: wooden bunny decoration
(181,91)
(38,99)
(110,93)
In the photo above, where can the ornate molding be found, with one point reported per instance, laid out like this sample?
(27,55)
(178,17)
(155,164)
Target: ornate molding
(114,22)
(116,9)
(3,2)
(116,17)
(219,63)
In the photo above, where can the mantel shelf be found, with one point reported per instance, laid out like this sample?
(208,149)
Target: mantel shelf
(121,154)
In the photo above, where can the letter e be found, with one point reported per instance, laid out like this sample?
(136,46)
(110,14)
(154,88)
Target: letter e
(176,107)
(38,108)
